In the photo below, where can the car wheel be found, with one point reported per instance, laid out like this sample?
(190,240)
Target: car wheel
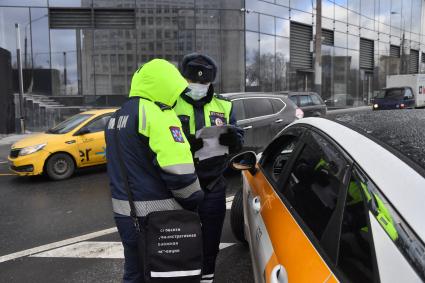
(60,166)
(236,217)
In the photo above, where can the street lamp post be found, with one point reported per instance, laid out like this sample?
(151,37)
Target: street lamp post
(318,50)
(21,84)
(64,71)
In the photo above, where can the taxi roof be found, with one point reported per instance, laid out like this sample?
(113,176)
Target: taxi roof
(402,185)
(99,111)
(401,132)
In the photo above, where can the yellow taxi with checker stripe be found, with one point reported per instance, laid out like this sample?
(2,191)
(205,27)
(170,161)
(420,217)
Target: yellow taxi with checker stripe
(334,201)
(74,143)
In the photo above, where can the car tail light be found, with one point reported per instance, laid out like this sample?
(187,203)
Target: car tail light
(299,113)
(402,105)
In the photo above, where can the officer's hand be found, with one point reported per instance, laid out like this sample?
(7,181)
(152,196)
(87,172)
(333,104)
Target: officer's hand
(231,139)
(195,144)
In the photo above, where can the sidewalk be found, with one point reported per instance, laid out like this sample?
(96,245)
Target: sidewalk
(349,110)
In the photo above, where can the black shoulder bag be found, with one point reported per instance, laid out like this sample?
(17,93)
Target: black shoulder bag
(169,242)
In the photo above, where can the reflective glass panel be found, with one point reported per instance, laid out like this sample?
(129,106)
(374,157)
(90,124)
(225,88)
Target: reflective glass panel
(327,72)
(282,63)
(328,9)
(24,3)
(232,64)
(110,44)
(340,14)
(282,27)
(8,18)
(267,24)
(267,62)
(340,63)
(303,5)
(252,21)
(354,5)
(38,33)
(207,19)
(252,47)
(367,8)
(70,3)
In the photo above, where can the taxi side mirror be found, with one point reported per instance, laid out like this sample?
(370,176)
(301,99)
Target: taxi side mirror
(244,161)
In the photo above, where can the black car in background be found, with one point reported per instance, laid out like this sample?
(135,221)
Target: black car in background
(394,98)
(262,116)
(310,102)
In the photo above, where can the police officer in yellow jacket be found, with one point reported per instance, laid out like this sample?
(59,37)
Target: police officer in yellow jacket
(147,135)
(198,108)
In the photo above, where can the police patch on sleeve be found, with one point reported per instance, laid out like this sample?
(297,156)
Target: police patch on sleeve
(177,134)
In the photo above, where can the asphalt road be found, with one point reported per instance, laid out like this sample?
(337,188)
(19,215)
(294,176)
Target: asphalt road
(36,212)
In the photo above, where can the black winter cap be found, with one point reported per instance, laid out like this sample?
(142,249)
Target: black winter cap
(198,68)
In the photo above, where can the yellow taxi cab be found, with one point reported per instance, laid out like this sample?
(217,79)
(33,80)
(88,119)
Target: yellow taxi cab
(330,201)
(74,143)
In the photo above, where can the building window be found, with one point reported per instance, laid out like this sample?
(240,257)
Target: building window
(395,51)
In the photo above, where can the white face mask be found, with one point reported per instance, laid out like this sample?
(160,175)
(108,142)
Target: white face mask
(197,91)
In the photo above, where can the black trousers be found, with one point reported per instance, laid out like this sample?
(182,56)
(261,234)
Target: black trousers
(133,272)
(212,212)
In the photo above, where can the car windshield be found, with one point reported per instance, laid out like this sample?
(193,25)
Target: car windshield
(392,93)
(69,124)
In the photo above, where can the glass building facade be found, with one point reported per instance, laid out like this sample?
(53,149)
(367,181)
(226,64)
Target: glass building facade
(259,45)
(350,76)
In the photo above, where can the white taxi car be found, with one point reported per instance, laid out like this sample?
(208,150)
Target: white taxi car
(332,201)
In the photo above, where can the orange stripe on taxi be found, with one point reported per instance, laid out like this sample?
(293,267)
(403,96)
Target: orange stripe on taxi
(292,248)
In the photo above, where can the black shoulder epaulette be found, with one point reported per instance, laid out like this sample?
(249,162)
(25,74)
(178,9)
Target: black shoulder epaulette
(219,96)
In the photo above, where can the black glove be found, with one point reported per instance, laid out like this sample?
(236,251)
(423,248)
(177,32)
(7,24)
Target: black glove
(231,139)
(195,144)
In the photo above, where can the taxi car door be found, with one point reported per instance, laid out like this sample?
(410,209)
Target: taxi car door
(260,198)
(302,188)
(91,141)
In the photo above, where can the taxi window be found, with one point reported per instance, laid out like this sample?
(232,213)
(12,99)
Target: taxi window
(355,259)
(275,158)
(69,124)
(314,183)
(98,124)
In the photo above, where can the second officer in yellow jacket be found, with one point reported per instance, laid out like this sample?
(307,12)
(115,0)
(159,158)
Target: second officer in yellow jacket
(198,108)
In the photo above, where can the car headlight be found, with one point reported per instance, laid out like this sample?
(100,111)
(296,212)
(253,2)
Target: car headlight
(375,106)
(31,149)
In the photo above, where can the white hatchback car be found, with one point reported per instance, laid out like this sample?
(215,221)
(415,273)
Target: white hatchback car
(333,201)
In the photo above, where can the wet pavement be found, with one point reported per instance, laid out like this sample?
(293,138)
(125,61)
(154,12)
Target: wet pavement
(36,212)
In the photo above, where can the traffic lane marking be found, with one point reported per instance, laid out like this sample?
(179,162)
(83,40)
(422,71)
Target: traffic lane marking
(88,249)
(58,244)
(71,241)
